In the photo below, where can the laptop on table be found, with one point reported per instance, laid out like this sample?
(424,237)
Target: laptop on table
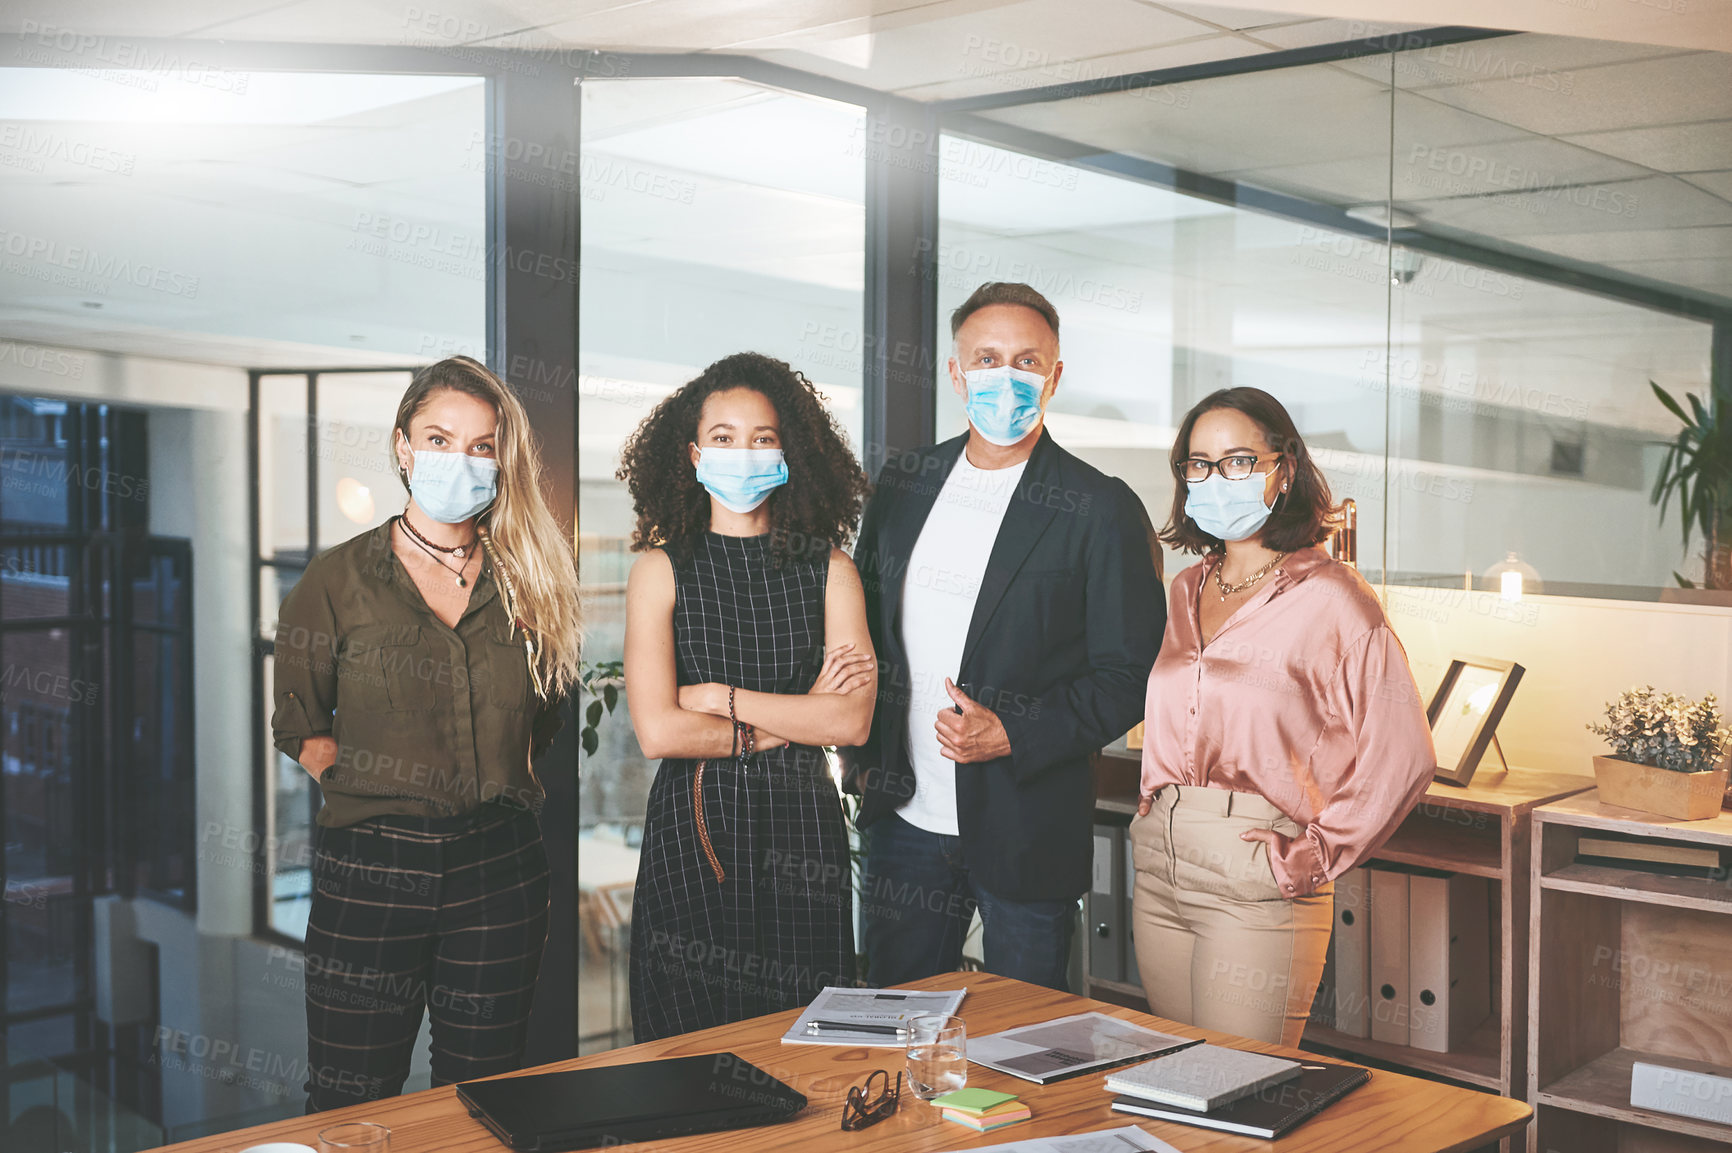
(644,1101)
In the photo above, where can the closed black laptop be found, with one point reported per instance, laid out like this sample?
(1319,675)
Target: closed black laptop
(583,1108)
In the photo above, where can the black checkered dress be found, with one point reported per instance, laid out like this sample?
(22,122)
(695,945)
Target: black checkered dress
(780,926)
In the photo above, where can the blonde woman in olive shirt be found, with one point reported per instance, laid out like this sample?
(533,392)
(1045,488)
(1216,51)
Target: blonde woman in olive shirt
(419,668)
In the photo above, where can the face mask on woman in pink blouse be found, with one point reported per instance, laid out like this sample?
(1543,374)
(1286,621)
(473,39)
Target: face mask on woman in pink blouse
(1228,509)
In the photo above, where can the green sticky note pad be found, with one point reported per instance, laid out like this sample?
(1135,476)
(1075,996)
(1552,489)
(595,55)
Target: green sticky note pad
(973,1100)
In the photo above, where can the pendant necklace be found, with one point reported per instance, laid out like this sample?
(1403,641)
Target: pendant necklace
(458,551)
(434,550)
(1228,590)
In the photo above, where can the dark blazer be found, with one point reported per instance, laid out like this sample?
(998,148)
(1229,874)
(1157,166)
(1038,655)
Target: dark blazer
(1065,630)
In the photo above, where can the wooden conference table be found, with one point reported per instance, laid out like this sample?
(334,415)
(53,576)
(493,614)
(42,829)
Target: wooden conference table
(1390,1114)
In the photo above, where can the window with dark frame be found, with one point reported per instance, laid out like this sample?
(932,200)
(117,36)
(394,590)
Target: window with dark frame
(95,730)
(286,800)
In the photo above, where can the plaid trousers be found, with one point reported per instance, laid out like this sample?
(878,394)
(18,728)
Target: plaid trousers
(413,914)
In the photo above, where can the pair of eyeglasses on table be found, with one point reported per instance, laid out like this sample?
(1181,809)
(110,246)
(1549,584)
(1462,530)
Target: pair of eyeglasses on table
(870,1102)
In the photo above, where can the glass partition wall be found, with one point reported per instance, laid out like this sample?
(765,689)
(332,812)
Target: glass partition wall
(1459,258)
(706,231)
(1564,209)
(1459,264)
(171,236)
(1465,264)
(1167,291)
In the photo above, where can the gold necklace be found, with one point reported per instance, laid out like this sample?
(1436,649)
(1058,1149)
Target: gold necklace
(1228,590)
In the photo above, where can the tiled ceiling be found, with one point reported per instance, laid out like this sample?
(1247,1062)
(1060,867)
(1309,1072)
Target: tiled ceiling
(925,49)
(1604,154)
(956,48)
(1615,156)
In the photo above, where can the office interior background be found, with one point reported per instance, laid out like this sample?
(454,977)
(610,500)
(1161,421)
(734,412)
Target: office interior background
(1458,241)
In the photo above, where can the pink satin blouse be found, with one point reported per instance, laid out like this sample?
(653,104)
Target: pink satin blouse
(1303,696)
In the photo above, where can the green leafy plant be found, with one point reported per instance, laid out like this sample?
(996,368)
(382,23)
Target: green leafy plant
(602,682)
(1666,730)
(1697,469)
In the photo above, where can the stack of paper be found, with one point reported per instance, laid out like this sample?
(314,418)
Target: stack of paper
(1271,1111)
(1066,1046)
(1202,1078)
(982,1110)
(1126,1139)
(840,1015)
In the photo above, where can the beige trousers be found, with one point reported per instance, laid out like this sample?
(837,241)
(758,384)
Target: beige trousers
(1217,944)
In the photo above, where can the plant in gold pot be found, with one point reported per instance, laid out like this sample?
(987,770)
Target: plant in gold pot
(1668,754)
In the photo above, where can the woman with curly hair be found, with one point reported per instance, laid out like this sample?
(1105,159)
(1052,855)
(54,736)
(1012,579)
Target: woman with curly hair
(746,650)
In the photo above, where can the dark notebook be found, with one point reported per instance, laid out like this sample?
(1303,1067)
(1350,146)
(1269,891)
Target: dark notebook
(1270,1112)
(644,1101)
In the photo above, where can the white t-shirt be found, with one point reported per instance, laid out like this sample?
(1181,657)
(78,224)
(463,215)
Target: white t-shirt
(938,594)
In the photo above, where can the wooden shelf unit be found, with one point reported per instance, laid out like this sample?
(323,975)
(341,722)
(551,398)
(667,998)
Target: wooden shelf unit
(1625,966)
(1435,843)
(1479,1063)
(1481,829)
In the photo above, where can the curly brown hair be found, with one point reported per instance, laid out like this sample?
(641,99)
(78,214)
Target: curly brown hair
(818,508)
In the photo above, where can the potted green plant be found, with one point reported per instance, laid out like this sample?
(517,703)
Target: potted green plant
(1669,754)
(1697,469)
(601,684)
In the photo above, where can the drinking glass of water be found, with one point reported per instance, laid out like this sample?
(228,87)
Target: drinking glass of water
(937,1055)
(355,1137)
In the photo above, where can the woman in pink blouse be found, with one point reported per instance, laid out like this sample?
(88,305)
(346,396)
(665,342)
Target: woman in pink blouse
(1285,739)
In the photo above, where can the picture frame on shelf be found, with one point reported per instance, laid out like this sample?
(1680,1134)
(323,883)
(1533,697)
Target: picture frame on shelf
(1465,711)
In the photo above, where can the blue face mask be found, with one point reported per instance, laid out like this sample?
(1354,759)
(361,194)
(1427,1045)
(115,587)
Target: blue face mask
(1003,402)
(1228,509)
(451,487)
(742,478)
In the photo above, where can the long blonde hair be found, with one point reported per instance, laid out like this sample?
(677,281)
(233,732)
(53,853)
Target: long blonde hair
(542,569)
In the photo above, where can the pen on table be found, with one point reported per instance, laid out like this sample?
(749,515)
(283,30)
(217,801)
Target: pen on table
(844,1027)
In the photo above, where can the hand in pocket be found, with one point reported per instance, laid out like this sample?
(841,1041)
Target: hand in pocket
(1273,843)
(317,755)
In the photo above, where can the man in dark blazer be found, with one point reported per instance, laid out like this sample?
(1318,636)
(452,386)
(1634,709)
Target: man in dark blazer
(1014,600)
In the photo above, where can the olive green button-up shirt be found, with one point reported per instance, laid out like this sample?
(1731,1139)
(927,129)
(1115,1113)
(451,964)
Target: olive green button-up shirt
(429,720)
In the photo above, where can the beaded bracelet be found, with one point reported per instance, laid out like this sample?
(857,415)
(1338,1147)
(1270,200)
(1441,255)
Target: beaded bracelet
(745,737)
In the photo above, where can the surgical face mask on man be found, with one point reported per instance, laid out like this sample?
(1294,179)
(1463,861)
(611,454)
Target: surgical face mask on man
(1003,402)
(451,487)
(741,478)
(1228,510)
